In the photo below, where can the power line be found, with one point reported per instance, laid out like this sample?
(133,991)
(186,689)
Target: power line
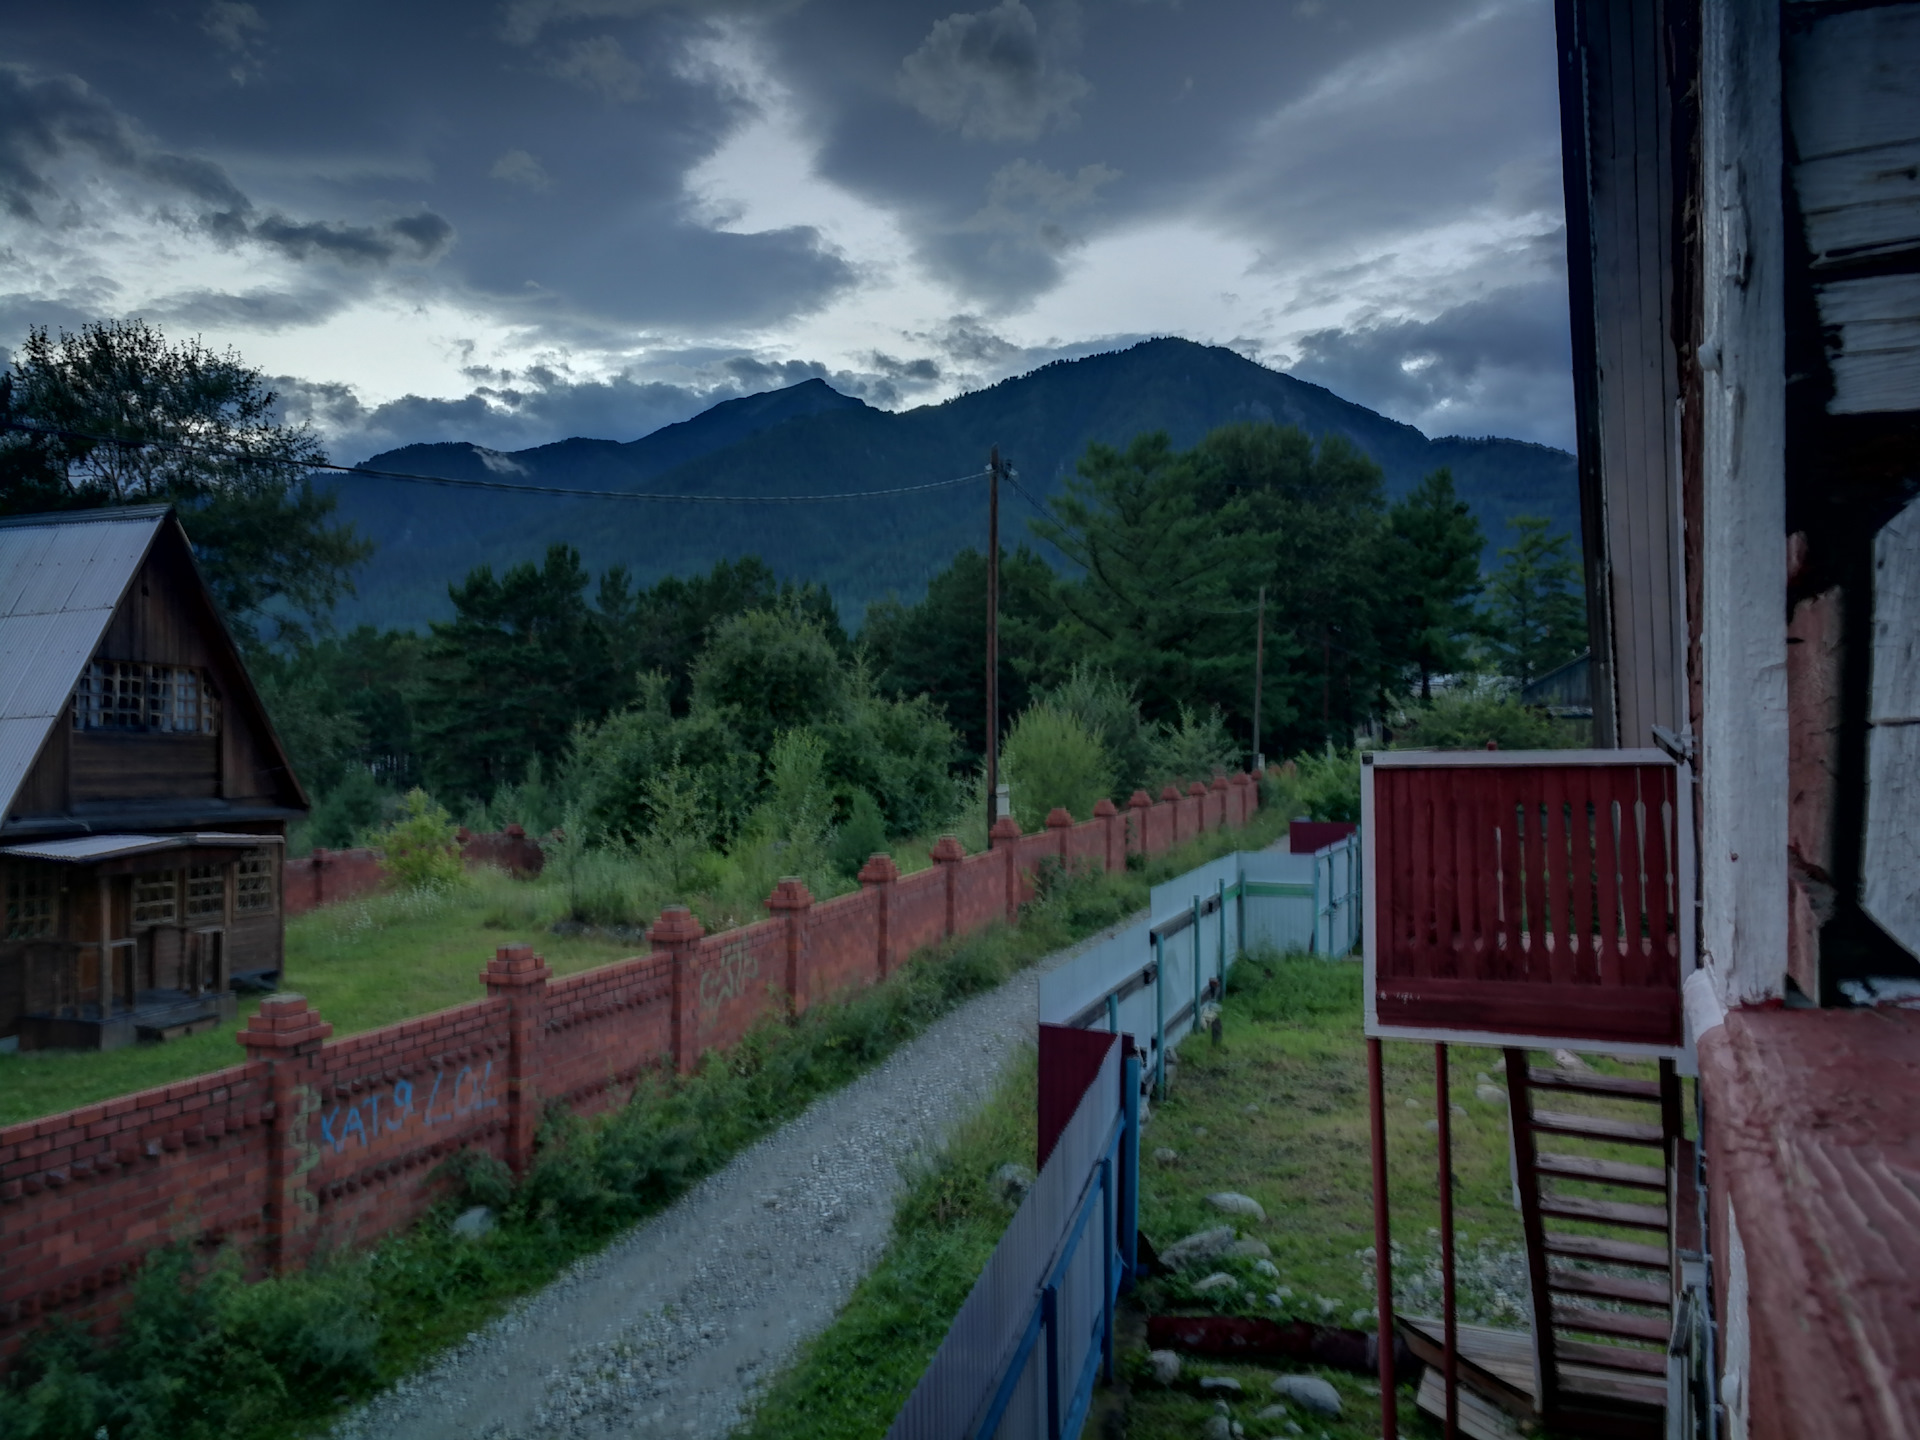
(506,486)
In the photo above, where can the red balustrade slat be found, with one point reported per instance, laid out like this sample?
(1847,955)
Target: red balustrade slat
(1607,824)
(1506,792)
(1581,876)
(1421,831)
(1553,874)
(1466,891)
(1486,824)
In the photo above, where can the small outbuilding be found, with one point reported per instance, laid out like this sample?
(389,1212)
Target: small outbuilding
(146,796)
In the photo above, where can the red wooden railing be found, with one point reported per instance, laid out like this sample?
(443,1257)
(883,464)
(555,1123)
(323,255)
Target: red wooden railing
(1539,894)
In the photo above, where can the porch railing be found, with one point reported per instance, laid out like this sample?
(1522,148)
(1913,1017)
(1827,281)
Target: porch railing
(1528,896)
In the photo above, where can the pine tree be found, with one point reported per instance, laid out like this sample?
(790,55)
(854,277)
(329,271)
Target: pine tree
(1434,563)
(1539,618)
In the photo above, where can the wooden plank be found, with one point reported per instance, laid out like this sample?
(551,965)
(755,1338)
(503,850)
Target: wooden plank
(1512,852)
(1743,448)
(1589,1082)
(1420,833)
(1861,202)
(1585,1318)
(1520,1107)
(1608,1391)
(1604,1212)
(1853,80)
(1613,1252)
(1555,888)
(1890,859)
(1612,1357)
(1476,1417)
(1533,874)
(1463,882)
(1486,820)
(1599,1127)
(1610,1287)
(1604,1172)
(1607,790)
(1567,1014)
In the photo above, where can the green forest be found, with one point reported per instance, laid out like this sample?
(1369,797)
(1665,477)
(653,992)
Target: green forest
(725,727)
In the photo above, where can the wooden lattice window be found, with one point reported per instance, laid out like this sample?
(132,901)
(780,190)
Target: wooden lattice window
(156,899)
(253,891)
(33,902)
(131,695)
(207,893)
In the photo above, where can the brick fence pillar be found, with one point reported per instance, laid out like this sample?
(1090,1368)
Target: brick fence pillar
(1170,795)
(1109,818)
(1059,822)
(518,976)
(1138,804)
(946,855)
(1226,796)
(880,875)
(284,1036)
(676,933)
(1005,837)
(791,902)
(319,858)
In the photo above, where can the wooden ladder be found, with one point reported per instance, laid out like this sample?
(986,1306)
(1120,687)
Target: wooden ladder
(1610,1384)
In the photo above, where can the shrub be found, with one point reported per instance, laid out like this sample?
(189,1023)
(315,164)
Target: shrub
(1193,749)
(347,812)
(769,671)
(1327,786)
(1110,709)
(863,833)
(1467,720)
(422,850)
(1051,759)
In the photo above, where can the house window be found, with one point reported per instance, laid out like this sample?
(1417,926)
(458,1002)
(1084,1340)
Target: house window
(129,695)
(156,899)
(33,896)
(206,893)
(253,883)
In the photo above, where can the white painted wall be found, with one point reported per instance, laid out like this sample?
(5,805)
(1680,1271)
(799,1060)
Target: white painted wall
(1743,741)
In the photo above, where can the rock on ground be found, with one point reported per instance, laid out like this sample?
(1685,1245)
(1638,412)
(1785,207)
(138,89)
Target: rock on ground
(669,1330)
(1309,1392)
(1231,1202)
(1199,1247)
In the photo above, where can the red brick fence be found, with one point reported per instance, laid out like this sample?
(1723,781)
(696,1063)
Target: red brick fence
(329,875)
(312,1143)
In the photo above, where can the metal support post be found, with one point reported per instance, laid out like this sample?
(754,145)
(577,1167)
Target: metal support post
(1128,1201)
(1159,1019)
(1382,1241)
(1449,1340)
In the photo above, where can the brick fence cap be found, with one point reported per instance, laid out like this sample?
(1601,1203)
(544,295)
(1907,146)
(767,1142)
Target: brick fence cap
(1104,808)
(1169,792)
(285,1003)
(1239,777)
(677,925)
(947,848)
(1140,800)
(1059,818)
(1005,828)
(1196,788)
(790,894)
(514,952)
(1220,782)
(879,869)
(518,832)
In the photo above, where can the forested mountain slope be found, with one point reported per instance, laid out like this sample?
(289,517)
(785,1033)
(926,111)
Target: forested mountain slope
(809,439)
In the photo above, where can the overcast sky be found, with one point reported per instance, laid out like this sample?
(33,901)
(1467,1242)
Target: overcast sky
(512,222)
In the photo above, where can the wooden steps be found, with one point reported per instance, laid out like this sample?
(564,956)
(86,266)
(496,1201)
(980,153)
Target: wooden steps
(1602,1172)
(1605,1251)
(1597,1127)
(1606,1382)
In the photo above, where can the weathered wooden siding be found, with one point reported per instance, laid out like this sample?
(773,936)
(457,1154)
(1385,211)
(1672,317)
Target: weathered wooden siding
(1617,114)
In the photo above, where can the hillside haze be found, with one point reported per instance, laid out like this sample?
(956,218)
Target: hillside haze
(809,439)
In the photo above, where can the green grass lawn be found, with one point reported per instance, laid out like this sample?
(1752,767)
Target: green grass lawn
(370,962)
(1277,1111)
(362,963)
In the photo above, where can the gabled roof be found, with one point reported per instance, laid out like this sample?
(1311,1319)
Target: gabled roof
(62,576)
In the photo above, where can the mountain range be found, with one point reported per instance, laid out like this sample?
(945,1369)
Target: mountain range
(809,439)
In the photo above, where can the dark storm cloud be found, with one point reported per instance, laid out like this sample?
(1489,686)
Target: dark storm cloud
(987,75)
(47,119)
(1498,365)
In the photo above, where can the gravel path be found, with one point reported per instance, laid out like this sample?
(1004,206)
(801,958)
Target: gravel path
(667,1331)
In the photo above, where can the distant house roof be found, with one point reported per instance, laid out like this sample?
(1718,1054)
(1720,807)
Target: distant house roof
(62,576)
(1566,690)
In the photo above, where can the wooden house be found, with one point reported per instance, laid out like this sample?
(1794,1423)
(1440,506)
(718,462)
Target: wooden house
(1730,881)
(146,796)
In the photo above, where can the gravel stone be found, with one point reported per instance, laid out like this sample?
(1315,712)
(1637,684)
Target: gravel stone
(670,1330)
(1166,1365)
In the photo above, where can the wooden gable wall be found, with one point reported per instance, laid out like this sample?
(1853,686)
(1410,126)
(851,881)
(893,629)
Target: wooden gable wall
(165,618)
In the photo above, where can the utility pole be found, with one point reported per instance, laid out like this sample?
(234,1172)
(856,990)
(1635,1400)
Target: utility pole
(993,638)
(1259,668)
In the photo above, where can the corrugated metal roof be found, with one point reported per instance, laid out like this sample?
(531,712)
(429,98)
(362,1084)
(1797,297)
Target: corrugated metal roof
(60,578)
(110,847)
